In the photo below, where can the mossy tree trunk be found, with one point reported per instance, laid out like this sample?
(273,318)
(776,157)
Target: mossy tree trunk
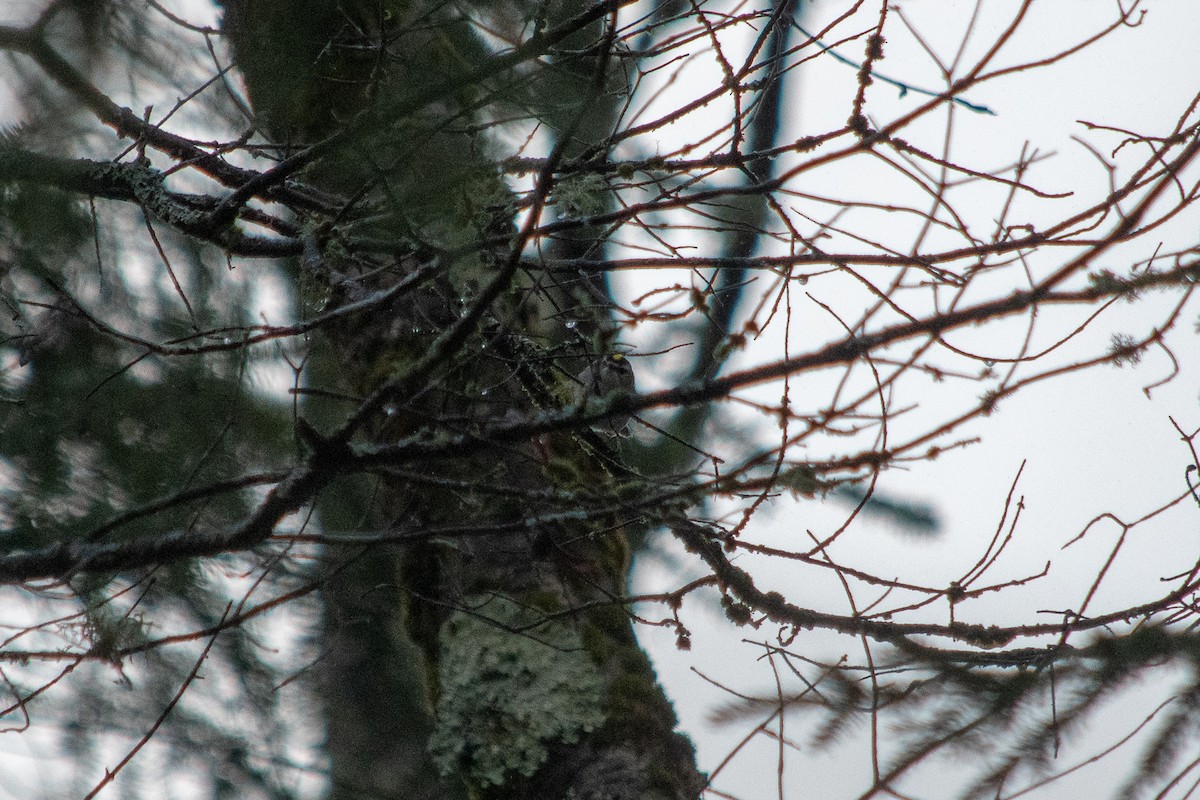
(480,645)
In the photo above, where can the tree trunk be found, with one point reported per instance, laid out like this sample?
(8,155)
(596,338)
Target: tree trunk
(495,657)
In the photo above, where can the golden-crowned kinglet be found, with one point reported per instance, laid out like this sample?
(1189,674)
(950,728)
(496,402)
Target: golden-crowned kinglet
(611,374)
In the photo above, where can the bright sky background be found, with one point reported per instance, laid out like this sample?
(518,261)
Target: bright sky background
(1093,442)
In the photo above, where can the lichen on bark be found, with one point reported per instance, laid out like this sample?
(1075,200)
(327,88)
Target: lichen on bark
(510,689)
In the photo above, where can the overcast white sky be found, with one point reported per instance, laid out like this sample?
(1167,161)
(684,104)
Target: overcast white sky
(1093,443)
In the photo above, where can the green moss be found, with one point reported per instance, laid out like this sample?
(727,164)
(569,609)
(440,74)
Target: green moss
(507,696)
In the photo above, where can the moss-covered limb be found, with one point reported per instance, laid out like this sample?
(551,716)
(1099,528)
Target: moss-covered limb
(137,182)
(80,175)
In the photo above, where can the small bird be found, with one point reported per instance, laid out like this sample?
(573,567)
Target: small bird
(612,374)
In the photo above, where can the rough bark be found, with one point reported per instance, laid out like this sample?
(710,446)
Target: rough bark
(529,680)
